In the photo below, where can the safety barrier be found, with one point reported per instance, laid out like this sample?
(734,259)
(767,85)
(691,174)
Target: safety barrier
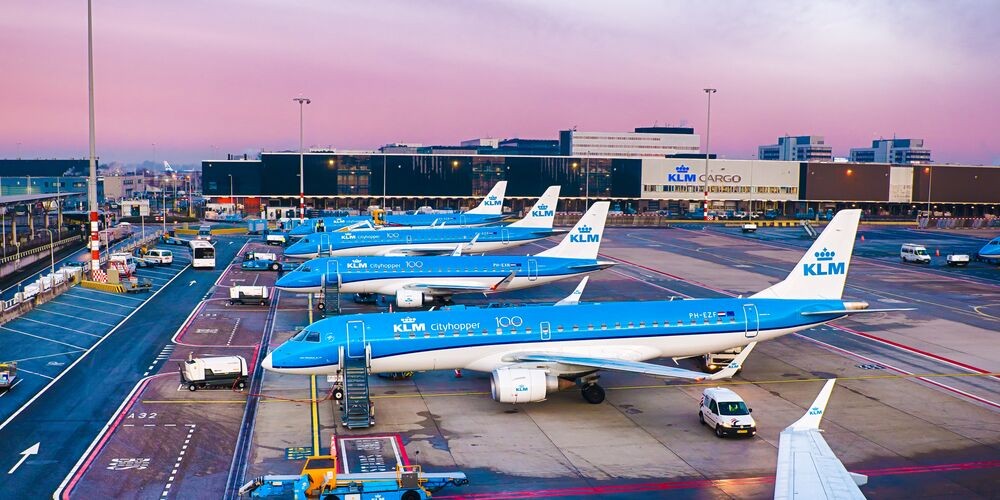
(222,230)
(959,223)
(104,287)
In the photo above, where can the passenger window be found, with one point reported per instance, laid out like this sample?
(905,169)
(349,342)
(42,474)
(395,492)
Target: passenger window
(559,328)
(655,324)
(576,328)
(590,326)
(486,332)
(440,334)
(413,335)
(395,336)
(527,329)
(513,331)
(499,331)
(642,324)
(427,335)
(631,324)
(680,322)
(618,325)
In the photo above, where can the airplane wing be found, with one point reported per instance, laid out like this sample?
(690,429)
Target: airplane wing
(574,298)
(623,365)
(447,288)
(423,250)
(807,467)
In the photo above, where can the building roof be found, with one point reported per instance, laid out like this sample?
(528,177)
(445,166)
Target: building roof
(14,199)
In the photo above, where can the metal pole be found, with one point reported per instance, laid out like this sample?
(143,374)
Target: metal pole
(231,198)
(383,180)
(586,182)
(52,251)
(164,191)
(708,139)
(95,245)
(750,210)
(930,182)
(302,186)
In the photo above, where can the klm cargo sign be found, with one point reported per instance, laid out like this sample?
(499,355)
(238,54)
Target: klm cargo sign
(681,175)
(726,180)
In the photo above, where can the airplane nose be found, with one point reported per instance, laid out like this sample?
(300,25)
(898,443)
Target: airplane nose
(267,364)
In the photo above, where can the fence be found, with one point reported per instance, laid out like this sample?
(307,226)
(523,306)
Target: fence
(959,223)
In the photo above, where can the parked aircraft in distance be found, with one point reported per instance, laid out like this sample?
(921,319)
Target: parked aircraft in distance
(534,350)
(489,211)
(400,241)
(414,281)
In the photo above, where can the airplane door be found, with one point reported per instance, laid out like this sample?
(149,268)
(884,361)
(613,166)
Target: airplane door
(752,320)
(545,330)
(356,339)
(532,270)
(505,236)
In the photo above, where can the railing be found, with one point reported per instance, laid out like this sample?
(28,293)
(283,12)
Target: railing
(70,235)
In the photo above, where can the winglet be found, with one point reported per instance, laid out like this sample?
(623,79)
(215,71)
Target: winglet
(502,284)
(460,246)
(813,416)
(734,365)
(543,213)
(574,298)
(493,203)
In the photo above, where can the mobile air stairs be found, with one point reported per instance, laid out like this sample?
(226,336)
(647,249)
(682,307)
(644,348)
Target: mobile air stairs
(357,410)
(330,296)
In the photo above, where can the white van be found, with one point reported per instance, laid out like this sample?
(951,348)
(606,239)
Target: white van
(724,410)
(126,259)
(160,257)
(911,252)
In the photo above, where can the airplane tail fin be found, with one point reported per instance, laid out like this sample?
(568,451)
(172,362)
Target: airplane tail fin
(822,271)
(574,298)
(584,240)
(543,212)
(493,203)
(813,416)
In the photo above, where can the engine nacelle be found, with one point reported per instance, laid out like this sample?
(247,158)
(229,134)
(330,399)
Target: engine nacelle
(523,385)
(409,298)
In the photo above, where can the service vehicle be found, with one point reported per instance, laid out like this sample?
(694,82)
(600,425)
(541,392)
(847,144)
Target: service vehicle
(8,375)
(204,233)
(911,252)
(265,261)
(715,361)
(126,260)
(202,254)
(957,259)
(226,371)
(159,257)
(243,295)
(726,412)
(749,227)
(276,238)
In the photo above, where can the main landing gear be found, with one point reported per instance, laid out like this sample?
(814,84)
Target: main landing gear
(591,391)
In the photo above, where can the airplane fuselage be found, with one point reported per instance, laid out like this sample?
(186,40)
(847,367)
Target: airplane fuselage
(392,240)
(387,275)
(483,338)
(406,220)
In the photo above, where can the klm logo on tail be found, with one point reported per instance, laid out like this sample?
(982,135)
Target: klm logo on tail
(585,236)
(824,265)
(682,175)
(492,201)
(543,211)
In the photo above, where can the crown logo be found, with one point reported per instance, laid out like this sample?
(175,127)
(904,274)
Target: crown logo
(825,255)
(543,207)
(408,319)
(493,197)
(356,261)
(585,229)
(683,168)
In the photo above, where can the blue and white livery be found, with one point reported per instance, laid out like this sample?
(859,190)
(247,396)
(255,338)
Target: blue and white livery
(990,252)
(416,280)
(534,350)
(489,211)
(403,241)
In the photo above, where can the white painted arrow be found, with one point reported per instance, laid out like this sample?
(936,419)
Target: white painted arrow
(33,450)
(192,283)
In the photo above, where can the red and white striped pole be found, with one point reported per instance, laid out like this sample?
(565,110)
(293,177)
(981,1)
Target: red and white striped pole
(302,183)
(95,243)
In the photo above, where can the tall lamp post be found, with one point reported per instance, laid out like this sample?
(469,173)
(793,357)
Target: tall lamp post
(708,140)
(302,185)
(95,244)
(52,250)
(231,198)
(930,179)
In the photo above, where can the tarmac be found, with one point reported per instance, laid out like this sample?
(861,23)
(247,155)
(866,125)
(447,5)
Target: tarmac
(917,407)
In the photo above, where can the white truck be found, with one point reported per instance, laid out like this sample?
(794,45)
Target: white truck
(243,295)
(227,371)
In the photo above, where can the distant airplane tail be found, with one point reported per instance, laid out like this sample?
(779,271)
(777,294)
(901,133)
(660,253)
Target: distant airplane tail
(543,212)
(493,203)
(584,240)
(822,271)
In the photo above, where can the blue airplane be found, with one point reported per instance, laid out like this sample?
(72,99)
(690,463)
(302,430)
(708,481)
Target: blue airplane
(404,241)
(489,211)
(990,251)
(412,281)
(534,350)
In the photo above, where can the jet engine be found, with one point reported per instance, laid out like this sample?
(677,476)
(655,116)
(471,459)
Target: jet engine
(409,298)
(524,385)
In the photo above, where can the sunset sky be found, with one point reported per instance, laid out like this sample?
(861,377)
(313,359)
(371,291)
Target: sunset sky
(201,79)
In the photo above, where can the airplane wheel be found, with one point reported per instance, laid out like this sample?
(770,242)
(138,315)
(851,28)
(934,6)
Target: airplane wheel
(321,306)
(593,394)
(338,394)
(241,385)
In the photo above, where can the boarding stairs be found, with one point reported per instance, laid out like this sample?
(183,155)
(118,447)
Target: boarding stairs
(357,406)
(330,295)
(809,229)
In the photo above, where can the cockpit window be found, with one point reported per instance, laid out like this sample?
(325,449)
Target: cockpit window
(303,268)
(312,337)
(299,336)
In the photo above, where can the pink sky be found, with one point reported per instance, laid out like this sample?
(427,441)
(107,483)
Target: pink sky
(190,75)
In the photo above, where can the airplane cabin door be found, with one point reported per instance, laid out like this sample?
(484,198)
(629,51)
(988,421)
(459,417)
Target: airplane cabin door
(356,339)
(545,330)
(752,320)
(532,270)
(505,236)
(324,244)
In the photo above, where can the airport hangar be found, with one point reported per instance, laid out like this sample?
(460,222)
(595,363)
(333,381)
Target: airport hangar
(358,180)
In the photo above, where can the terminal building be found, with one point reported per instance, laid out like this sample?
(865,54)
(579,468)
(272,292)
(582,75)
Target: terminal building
(407,181)
(797,148)
(645,142)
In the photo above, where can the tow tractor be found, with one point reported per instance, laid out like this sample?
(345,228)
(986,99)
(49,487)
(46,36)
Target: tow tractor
(264,261)
(8,375)
(319,479)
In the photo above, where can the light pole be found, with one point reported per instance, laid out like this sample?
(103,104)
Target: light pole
(708,139)
(930,180)
(750,210)
(384,160)
(231,198)
(95,244)
(52,250)
(302,186)
(164,191)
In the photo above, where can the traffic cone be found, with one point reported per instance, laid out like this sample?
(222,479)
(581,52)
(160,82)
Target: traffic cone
(862,237)
(458,373)
(937,253)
